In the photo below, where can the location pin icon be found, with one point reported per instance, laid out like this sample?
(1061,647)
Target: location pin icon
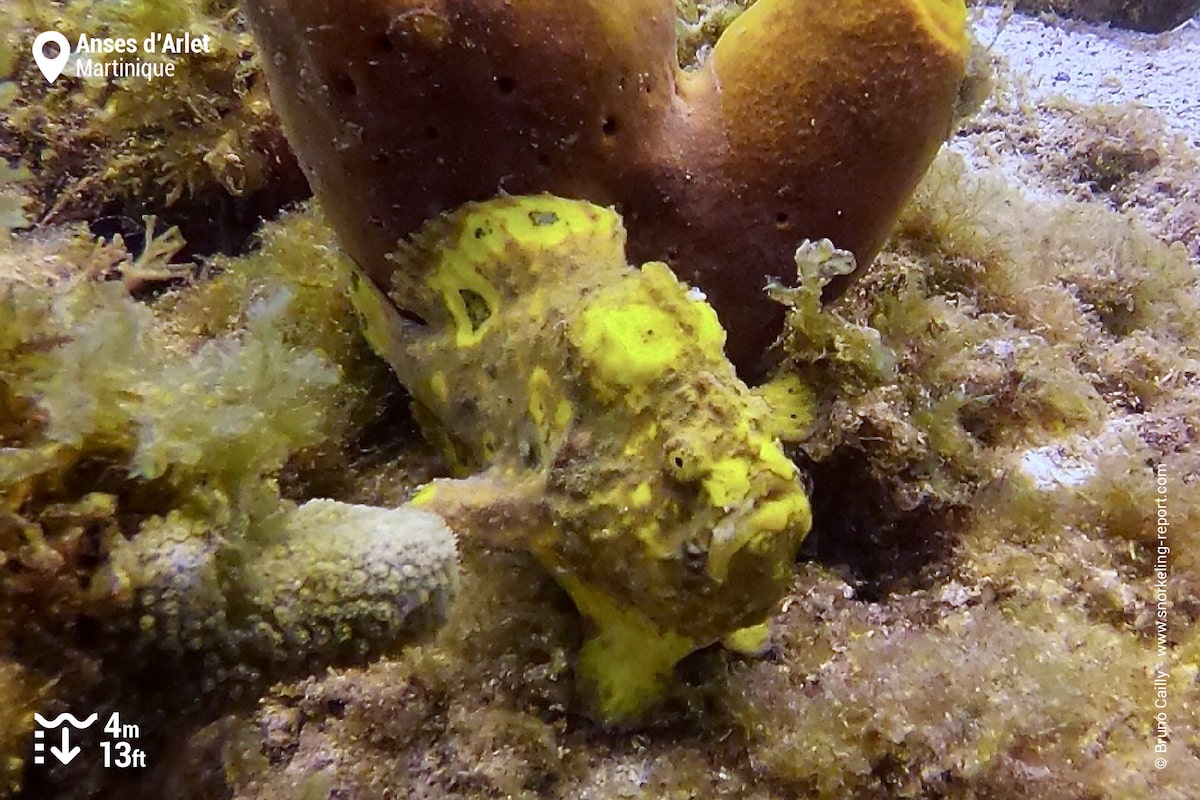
(51,67)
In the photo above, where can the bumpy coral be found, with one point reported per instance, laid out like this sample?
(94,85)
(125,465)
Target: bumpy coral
(326,582)
(612,438)
(810,120)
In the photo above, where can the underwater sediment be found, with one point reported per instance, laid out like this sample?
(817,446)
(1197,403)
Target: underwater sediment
(209,474)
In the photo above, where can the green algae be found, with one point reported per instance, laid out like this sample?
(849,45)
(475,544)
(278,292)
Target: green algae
(1042,351)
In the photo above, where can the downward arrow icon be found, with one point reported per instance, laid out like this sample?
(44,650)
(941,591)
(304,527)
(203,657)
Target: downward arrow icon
(66,754)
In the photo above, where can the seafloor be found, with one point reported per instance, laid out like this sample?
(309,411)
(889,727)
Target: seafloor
(999,597)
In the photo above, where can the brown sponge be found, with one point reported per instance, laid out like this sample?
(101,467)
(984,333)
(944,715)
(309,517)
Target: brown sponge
(811,119)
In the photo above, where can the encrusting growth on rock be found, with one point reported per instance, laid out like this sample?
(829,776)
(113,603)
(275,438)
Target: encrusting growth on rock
(610,436)
(810,120)
(328,582)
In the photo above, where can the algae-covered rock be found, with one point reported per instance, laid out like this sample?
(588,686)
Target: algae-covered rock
(201,149)
(325,582)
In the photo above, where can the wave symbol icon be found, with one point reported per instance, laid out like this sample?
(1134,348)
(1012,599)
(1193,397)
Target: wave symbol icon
(71,718)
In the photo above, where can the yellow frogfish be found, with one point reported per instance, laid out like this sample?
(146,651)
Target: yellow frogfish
(595,422)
